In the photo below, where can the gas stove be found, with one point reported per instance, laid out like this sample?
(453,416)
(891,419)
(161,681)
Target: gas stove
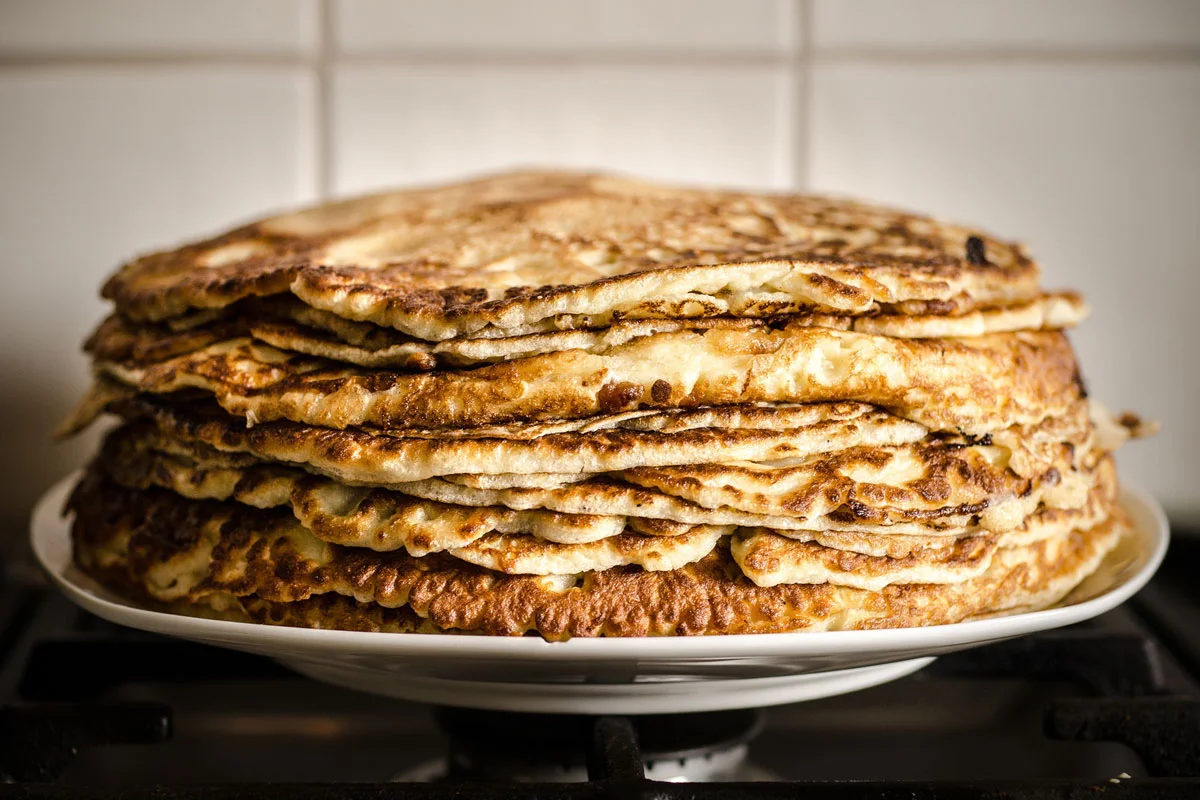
(1110,707)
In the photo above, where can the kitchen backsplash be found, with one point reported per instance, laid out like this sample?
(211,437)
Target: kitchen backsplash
(127,125)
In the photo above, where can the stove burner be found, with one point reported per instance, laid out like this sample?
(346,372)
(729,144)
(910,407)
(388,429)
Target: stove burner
(500,747)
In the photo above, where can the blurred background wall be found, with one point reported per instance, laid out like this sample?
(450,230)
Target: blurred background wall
(128,125)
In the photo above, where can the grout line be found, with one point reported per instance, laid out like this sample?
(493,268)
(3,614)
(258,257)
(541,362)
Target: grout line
(323,122)
(91,60)
(603,57)
(1174,55)
(412,57)
(802,114)
(690,58)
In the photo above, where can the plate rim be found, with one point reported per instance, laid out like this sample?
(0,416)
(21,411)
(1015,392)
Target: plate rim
(46,522)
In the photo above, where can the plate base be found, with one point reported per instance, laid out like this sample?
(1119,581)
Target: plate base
(650,697)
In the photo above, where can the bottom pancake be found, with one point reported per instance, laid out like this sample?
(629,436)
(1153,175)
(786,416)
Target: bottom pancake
(156,546)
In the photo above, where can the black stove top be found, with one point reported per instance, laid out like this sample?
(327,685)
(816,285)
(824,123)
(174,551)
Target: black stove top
(1108,708)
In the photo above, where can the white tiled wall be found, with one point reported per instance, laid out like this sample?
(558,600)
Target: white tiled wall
(97,164)
(165,27)
(540,26)
(1072,124)
(996,26)
(697,123)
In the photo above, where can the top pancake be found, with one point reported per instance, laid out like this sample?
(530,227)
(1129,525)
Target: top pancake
(525,252)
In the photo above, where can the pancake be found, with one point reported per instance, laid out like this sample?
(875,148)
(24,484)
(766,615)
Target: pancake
(526,555)
(948,483)
(858,486)
(383,347)
(770,560)
(118,340)
(1043,523)
(115,339)
(332,514)
(608,496)
(382,519)
(328,611)
(607,445)
(874,484)
(538,250)
(531,480)
(173,550)
(973,386)
(352,516)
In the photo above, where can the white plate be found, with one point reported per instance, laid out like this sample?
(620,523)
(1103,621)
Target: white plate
(614,676)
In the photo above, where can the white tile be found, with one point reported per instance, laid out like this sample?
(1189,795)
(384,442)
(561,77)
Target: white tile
(100,165)
(933,25)
(1095,167)
(553,25)
(156,26)
(396,125)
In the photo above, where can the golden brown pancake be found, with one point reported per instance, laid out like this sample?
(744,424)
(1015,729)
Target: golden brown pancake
(528,252)
(158,545)
(384,519)
(604,445)
(297,328)
(770,560)
(972,385)
(863,485)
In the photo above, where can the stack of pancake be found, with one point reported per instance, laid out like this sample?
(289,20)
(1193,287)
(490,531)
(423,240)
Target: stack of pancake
(578,405)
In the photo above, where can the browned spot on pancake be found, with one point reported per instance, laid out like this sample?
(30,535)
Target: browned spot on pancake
(617,396)
(976,250)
